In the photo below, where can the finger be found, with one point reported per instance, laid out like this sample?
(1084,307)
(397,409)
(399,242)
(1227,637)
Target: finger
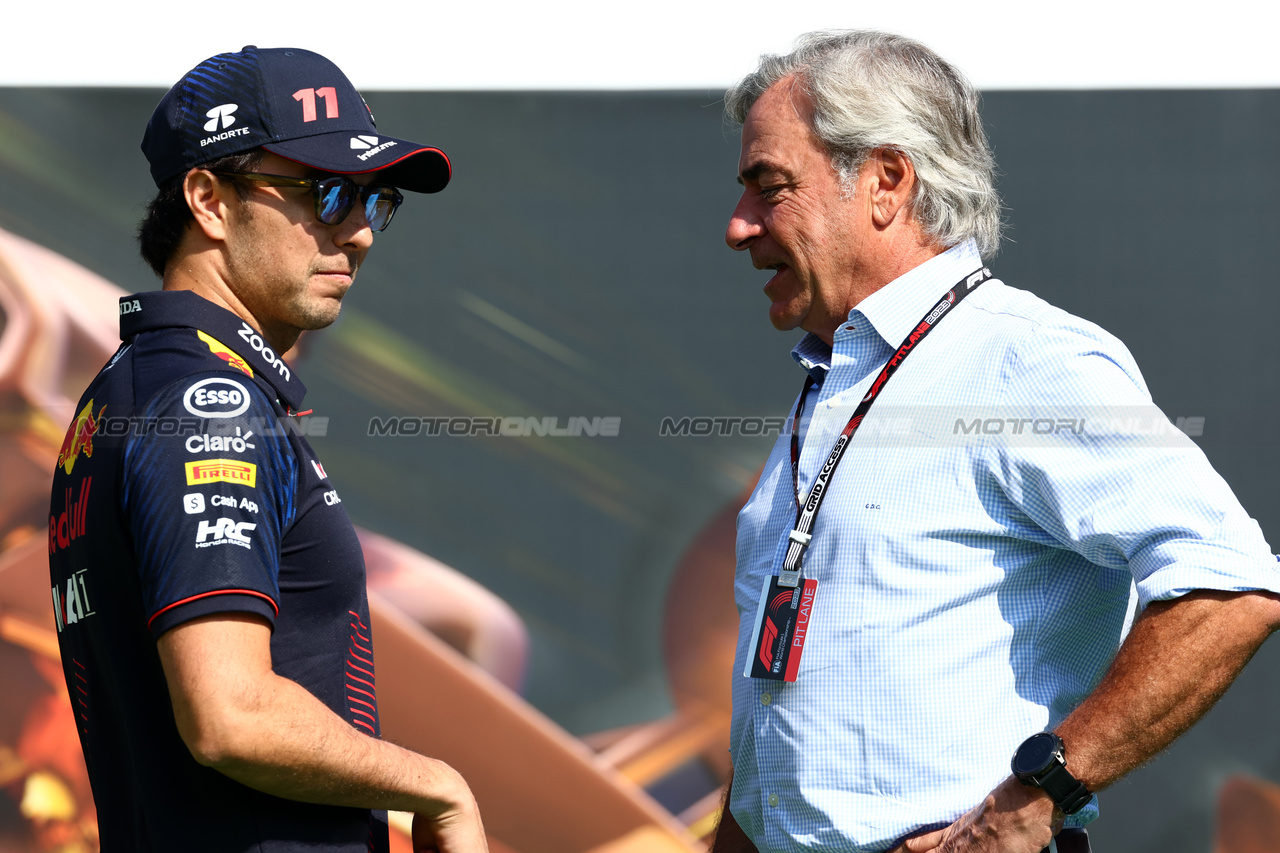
(928,841)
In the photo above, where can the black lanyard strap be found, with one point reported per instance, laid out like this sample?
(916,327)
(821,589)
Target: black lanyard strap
(807,514)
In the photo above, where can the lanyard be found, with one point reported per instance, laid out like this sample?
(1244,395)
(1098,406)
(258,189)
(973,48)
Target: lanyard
(807,513)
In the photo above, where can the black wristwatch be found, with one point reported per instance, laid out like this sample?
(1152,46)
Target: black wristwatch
(1040,761)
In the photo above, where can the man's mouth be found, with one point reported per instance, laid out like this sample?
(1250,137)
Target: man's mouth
(347,276)
(778,269)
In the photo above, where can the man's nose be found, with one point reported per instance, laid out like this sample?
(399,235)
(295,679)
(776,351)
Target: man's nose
(354,231)
(744,226)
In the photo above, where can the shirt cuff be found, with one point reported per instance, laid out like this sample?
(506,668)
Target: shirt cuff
(216,601)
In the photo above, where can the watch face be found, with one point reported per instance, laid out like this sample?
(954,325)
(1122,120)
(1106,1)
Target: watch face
(1035,754)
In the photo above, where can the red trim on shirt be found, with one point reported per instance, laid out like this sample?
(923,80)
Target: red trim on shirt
(267,598)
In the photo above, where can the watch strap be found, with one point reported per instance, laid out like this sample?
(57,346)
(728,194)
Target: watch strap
(1066,791)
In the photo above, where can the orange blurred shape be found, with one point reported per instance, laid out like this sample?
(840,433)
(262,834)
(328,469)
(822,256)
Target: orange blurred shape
(46,797)
(401,835)
(49,742)
(1248,816)
(646,839)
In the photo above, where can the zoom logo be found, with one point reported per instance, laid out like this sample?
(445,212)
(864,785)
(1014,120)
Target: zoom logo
(223,112)
(216,398)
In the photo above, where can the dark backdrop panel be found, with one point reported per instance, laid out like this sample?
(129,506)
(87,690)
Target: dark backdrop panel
(576,267)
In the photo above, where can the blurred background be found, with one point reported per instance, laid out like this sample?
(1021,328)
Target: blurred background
(575,268)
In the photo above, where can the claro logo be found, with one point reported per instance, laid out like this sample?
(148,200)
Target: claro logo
(216,398)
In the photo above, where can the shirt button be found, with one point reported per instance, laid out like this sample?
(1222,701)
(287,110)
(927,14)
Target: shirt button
(773,800)
(765,699)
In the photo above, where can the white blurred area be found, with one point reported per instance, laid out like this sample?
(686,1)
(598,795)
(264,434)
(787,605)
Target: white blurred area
(654,45)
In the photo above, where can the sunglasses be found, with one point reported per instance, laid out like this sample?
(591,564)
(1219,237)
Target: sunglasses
(335,196)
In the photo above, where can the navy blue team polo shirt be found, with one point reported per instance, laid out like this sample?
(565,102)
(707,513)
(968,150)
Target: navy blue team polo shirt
(184,488)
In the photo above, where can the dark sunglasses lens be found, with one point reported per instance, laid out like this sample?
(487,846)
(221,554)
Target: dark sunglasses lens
(380,206)
(334,198)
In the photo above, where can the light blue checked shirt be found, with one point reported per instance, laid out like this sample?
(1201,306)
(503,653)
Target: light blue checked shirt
(1007,501)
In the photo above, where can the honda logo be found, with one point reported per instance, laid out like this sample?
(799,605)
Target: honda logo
(224,112)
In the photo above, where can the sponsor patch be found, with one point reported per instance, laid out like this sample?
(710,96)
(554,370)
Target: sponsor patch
(216,398)
(231,503)
(220,443)
(69,525)
(376,150)
(193,503)
(225,112)
(79,437)
(225,531)
(71,604)
(205,471)
(223,352)
(253,339)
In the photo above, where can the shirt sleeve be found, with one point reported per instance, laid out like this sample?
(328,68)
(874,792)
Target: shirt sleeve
(209,487)
(1120,484)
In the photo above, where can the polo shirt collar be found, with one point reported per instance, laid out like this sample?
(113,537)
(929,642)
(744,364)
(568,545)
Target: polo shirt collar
(159,309)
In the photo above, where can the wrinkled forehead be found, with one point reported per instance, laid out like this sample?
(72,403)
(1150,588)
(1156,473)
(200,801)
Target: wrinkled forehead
(778,127)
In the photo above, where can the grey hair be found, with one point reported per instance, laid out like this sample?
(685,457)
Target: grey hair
(873,90)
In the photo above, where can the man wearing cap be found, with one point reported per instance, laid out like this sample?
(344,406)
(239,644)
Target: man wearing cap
(208,588)
(935,569)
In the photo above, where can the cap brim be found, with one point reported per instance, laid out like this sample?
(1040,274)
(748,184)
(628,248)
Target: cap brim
(406,165)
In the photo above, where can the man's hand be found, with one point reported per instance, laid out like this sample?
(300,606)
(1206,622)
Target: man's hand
(1014,818)
(450,831)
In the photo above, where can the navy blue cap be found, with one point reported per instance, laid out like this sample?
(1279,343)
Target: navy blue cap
(293,103)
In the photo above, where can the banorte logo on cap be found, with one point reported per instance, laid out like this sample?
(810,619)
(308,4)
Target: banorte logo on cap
(224,115)
(225,112)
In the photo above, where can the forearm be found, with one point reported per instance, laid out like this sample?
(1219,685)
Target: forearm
(1180,657)
(239,717)
(291,745)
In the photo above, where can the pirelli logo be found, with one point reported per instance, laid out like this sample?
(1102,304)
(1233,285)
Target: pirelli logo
(222,471)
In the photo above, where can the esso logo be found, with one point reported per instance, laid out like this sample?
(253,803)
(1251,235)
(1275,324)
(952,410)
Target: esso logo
(216,398)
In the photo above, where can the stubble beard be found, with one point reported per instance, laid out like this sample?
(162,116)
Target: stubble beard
(282,300)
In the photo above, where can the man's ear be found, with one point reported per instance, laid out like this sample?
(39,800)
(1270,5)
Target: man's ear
(210,201)
(894,179)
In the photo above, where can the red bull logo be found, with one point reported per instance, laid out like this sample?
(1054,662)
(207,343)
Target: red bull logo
(70,525)
(79,437)
(223,352)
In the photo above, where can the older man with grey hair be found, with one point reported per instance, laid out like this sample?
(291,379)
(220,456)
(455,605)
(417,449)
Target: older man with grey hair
(922,594)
